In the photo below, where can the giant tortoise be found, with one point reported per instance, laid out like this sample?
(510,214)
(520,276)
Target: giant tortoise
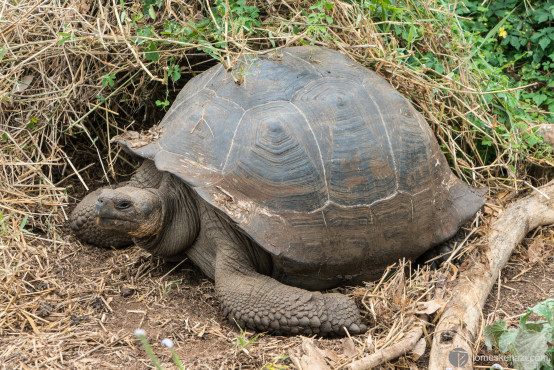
(312,173)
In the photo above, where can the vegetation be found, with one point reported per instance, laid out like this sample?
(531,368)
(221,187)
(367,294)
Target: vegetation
(531,344)
(75,73)
(141,336)
(496,56)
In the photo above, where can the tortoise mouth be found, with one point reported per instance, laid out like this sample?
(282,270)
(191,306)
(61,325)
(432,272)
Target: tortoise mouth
(114,223)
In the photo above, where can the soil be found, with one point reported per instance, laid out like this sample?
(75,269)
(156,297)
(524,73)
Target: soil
(90,301)
(527,280)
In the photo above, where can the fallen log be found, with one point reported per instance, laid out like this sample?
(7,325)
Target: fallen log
(458,326)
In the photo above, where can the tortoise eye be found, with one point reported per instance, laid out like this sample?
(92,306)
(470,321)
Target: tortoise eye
(123,205)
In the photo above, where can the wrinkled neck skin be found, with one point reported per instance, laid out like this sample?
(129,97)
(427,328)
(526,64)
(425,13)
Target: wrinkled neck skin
(192,228)
(180,223)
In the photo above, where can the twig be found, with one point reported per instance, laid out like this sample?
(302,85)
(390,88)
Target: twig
(132,48)
(459,324)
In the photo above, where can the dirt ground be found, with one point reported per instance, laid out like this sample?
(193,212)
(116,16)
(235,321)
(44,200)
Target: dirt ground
(87,303)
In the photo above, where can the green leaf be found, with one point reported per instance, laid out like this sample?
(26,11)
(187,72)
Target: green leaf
(539,98)
(506,339)
(358,20)
(152,12)
(514,41)
(151,54)
(542,16)
(537,35)
(545,309)
(23,223)
(486,142)
(494,331)
(544,42)
(32,122)
(528,349)
(64,39)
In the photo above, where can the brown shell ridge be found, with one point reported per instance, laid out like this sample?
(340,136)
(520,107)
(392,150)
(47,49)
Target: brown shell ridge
(318,149)
(369,206)
(387,135)
(323,78)
(245,111)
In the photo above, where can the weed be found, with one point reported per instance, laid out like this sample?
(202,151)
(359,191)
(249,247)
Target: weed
(169,344)
(108,80)
(170,285)
(274,363)
(242,341)
(318,20)
(520,40)
(141,335)
(174,71)
(531,344)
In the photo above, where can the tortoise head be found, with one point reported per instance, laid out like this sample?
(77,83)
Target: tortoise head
(135,212)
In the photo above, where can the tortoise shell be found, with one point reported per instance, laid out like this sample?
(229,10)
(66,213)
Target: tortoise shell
(317,159)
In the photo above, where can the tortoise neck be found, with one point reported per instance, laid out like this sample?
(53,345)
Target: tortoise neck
(181,222)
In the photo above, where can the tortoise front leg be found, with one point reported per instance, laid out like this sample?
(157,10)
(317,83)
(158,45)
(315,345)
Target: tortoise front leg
(259,302)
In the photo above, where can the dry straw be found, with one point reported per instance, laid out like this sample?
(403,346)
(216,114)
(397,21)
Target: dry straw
(57,115)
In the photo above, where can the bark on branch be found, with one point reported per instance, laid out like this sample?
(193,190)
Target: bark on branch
(392,352)
(459,324)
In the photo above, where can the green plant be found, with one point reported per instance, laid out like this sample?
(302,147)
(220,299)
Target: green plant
(531,344)
(170,285)
(141,335)
(502,129)
(319,20)
(239,13)
(274,363)
(174,71)
(148,9)
(164,104)
(108,80)
(241,339)
(169,344)
(517,36)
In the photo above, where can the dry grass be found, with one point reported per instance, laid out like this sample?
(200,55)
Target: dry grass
(64,305)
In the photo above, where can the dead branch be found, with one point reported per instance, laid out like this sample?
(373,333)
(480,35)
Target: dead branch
(459,323)
(389,353)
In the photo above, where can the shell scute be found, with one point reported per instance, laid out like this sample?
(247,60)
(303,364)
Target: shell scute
(319,160)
